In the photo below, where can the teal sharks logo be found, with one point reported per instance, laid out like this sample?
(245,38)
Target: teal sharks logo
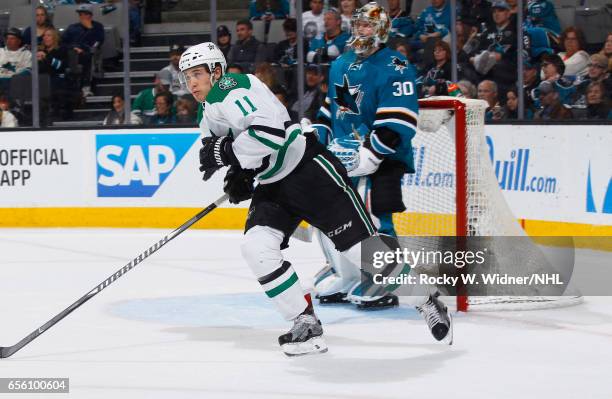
(348,98)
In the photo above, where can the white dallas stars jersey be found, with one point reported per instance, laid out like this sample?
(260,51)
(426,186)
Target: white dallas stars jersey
(243,107)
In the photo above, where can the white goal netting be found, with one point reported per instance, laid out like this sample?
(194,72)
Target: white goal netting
(455,192)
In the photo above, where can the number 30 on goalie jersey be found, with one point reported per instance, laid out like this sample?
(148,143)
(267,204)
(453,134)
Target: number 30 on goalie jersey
(375,93)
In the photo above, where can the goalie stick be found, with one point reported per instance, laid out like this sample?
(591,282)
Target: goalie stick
(10,350)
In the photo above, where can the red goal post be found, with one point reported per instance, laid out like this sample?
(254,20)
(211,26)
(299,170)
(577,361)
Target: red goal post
(454,191)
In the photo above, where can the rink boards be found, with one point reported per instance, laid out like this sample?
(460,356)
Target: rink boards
(556,179)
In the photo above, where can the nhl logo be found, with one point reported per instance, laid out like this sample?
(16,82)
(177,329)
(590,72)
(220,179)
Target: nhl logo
(227,83)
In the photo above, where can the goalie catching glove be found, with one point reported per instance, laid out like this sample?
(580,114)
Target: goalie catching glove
(361,158)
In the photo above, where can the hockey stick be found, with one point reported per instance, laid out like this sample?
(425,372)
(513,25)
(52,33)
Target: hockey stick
(9,350)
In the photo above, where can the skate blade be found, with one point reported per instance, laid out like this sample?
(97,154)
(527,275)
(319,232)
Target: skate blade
(332,299)
(448,340)
(311,347)
(383,303)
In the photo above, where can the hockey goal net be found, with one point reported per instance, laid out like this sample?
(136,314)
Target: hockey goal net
(455,192)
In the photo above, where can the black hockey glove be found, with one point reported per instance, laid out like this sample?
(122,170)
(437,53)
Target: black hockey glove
(238,184)
(209,172)
(216,152)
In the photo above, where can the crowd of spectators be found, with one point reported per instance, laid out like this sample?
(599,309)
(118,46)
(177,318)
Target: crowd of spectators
(167,102)
(66,62)
(564,76)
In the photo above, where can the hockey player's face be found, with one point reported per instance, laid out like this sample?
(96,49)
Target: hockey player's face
(364,28)
(198,82)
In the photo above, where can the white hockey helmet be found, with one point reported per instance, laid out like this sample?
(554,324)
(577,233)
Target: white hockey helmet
(377,17)
(206,53)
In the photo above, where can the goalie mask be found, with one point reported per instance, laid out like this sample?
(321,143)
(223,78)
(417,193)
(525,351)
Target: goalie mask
(373,18)
(202,54)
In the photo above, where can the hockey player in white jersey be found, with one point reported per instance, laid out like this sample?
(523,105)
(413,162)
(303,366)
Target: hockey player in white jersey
(246,128)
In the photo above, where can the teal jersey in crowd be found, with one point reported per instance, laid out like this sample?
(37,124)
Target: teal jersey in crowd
(542,13)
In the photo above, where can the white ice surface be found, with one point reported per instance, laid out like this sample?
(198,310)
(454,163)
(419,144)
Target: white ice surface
(192,322)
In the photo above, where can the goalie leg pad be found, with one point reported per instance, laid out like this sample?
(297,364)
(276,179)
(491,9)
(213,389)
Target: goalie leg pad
(333,282)
(364,253)
(261,250)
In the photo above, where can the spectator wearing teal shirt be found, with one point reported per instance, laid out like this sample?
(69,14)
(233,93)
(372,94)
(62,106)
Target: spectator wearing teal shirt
(432,24)
(542,13)
(330,45)
(434,21)
(268,9)
(402,24)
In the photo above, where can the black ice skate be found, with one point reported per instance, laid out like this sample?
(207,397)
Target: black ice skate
(305,337)
(338,297)
(438,319)
(380,303)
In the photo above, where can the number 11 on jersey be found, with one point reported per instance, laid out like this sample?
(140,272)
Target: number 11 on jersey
(243,108)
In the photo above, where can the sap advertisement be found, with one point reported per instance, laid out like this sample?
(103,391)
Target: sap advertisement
(103,168)
(555,173)
(136,165)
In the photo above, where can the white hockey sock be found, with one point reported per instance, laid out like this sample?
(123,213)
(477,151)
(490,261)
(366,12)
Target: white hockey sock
(261,250)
